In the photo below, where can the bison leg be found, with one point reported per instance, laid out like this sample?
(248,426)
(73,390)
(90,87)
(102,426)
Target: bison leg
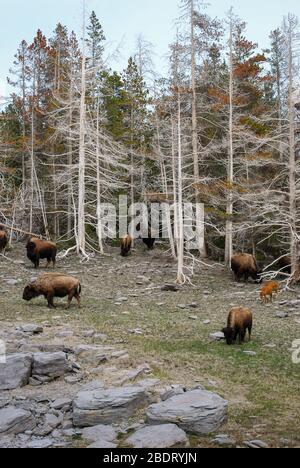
(50,298)
(70,297)
(242,335)
(77,296)
(246,276)
(48,262)
(36,263)
(250,331)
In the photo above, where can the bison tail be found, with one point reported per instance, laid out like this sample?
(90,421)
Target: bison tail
(79,289)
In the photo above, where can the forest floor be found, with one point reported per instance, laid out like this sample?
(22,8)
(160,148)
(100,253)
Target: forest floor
(122,298)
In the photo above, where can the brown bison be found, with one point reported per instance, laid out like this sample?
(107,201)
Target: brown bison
(245,265)
(239,321)
(126,244)
(39,249)
(268,291)
(52,285)
(3,238)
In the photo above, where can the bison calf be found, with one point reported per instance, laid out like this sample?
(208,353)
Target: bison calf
(126,243)
(239,321)
(54,285)
(39,249)
(3,239)
(268,291)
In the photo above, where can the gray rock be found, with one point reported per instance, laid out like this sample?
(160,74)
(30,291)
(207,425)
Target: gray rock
(88,333)
(171,391)
(198,412)
(256,444)
(40,443)
(65,334)
(61,403)
(15,372)
(218,336)
(15,420)
(31,328)
(282,315)
(52,365)
(53,421)
(224,440)
(13,282)
(96,433)
(93,354)
(107,406)
(164,436)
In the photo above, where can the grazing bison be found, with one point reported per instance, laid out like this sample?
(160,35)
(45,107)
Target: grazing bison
(3,238)
(149,242)
(126,243)
(245,265)
(52,285)
(239,321)
(39,249)
(268,291)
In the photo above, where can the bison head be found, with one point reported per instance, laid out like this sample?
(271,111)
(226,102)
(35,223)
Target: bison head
(229,335)
(30,292)
(30,246)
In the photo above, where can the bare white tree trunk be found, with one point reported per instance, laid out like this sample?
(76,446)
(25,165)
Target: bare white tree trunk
(180,219)
(195,143)
(99,223)
(81,240)
(230,178)
(292,157)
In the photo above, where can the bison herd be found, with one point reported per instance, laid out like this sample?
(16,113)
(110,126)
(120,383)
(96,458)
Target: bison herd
(51,285)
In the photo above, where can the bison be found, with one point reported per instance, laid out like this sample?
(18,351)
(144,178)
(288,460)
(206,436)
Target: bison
(268,291)
(245,265)
(3,238)
(149,242)
(52,285)
(239,321)
(39,249)
(126,244)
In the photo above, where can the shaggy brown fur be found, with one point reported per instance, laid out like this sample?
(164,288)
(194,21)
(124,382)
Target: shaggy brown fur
(239,321)
(268,291)
(54,285)
(39,249)
(126,244)
(3,239)
(245,265)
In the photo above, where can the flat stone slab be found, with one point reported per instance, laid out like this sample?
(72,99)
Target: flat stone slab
(100,432)
(108,406)
(31,328)
(197,412)
(218,336)
(52,365)
(15,372)
(164,436)
(15,420)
